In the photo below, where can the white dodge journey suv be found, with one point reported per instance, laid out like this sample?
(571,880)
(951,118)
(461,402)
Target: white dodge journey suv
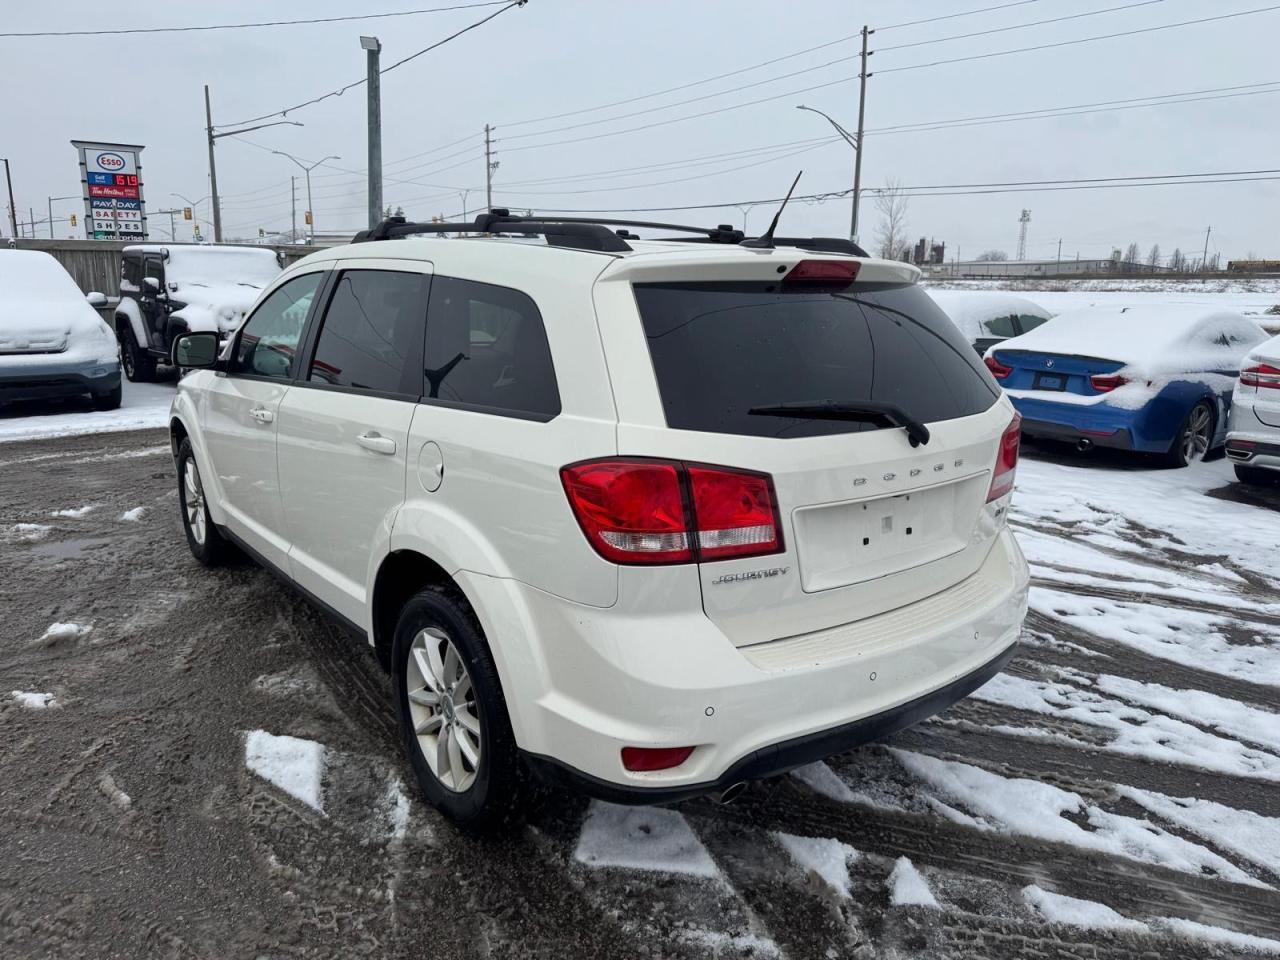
(654,517)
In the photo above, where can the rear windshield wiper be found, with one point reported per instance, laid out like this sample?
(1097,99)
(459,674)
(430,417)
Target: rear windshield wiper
(864,410)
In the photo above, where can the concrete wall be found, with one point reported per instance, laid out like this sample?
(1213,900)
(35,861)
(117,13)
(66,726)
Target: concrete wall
(95,264)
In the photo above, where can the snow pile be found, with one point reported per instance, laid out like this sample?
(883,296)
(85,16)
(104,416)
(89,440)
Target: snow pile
(294,765)
(737,945)
(823,856)
(395,807)
(34,701)
(1249,835)
(132,516)
(1138,732)
(75,513)
(1199,931)
(1074,912)
(109,789)
(29,532)
(642,838)
(145,406)
(975,312)
(215,285)
(1033,809)
(907,888)
(822,779)
(56,632)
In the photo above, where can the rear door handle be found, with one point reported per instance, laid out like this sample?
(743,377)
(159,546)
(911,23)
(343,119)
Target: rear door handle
(376,442)
(262,414)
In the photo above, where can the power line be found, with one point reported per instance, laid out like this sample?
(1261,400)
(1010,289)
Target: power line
(248,26)
(350,86)
(953,16)
(1021,26)
(1068,43)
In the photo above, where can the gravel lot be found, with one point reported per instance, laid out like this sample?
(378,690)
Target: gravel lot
(1128,759)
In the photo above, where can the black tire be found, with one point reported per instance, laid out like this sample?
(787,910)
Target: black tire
(498,782)
(1185,448)
(206,542)
(109,400)
(1256,476)
(139,366)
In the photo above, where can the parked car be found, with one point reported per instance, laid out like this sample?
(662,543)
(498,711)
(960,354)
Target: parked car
(1253,433)
(653,518)
(53,343)
(168,290)
(987,317)
(1155,379)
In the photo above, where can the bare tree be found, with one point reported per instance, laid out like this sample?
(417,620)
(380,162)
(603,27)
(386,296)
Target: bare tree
(892,240)
(1153,257)
(992,256)
(1132,255)
(1177,260)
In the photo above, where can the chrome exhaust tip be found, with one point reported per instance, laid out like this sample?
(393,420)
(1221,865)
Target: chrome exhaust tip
(731,792)
(1083,444)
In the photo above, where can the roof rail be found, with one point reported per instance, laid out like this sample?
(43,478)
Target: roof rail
(579,236)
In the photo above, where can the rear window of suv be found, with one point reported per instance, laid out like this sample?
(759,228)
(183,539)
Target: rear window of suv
(720,349)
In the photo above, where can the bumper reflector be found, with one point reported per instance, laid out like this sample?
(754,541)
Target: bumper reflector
(639,759)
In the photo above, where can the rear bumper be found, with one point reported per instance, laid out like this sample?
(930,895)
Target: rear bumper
(591,681)
(1251,441)
(47,381)
(778,758)
(1118,438)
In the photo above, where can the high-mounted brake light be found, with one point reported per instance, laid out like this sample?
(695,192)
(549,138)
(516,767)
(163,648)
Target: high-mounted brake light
(823,271)
(1261,375)
(998,369)
(662,511)
(1006,460)
(1105,383)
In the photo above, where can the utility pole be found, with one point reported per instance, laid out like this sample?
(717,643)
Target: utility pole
(311,213)
(51,237)
(213,169)
(13,213)
(373,50)
(293,200)
(173,226)
(1059,254)
(489,167)
(1204,260)
(862,112)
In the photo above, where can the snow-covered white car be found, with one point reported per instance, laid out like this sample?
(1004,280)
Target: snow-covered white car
(986,317)
(1155,378)
(1253,435)
(53,342)
(170,289)
(656,517)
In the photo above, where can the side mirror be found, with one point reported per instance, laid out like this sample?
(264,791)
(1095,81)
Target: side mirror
(152,284)
(195,350)
(96,299)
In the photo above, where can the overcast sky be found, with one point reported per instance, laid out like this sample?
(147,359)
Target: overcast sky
(556,57)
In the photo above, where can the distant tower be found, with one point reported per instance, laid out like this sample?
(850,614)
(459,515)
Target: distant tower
(1022,235)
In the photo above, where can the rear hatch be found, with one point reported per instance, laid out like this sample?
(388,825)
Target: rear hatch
(1052,373)
(869,521)
(22,337)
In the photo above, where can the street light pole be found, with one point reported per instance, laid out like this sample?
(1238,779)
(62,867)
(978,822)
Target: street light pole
(213,169)
(51,199)
(373,49)
(856,143)
(307,170)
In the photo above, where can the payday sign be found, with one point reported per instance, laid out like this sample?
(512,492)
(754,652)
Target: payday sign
(111,183)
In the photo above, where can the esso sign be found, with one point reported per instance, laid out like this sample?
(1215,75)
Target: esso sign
(111,162)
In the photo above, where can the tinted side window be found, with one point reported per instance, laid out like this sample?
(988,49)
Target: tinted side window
(372,328)
(487,347)
(153,268)
(721,349)
(1029,322)
(1001,326)
(269,341)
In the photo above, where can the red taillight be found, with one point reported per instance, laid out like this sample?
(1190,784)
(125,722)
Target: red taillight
(1261,375)
(639,759)
(998,369)
(823,271)
(659,511)
(735,513)
(1006,460)
(632,511)
(1105,383)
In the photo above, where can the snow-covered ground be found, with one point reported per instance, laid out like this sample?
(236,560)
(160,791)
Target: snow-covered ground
(144,405)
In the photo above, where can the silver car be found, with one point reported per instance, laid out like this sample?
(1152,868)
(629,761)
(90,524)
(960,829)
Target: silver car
(1253,432)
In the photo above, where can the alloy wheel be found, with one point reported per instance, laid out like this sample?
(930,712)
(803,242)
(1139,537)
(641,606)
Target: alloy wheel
(1195,441)
(443,709)
(193,499)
